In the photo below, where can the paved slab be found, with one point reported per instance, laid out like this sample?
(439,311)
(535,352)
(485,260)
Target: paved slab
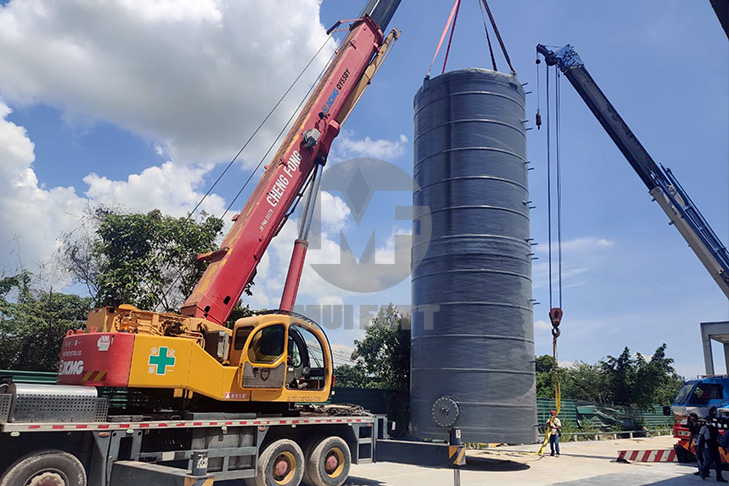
(581,463)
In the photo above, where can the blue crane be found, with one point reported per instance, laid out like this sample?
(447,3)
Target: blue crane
(661,183)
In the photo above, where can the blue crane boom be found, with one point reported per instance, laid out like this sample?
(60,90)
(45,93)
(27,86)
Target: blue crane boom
(661,183)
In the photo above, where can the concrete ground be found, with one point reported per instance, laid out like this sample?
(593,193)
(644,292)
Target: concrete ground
(581,464)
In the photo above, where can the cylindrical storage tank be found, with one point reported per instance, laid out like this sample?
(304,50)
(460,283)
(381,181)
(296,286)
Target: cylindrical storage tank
(472,330)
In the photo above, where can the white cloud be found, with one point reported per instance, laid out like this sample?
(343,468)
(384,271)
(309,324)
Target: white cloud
(397,248)
(34,218)
(272,272)
(579,256)
(347,146)
(194,76)
(585,243)
(343,349)
(570,272)
(169,188)
(542,325)
(31,217)
(334,212)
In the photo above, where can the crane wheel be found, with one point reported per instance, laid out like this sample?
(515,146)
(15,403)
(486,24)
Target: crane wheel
(45,468)
(328,462)
(280,464)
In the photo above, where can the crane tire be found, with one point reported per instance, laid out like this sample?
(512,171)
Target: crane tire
(328,463)
(47,467)
(308,448)
(280,464)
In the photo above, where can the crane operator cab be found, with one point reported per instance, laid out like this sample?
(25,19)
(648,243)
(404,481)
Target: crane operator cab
(282,354)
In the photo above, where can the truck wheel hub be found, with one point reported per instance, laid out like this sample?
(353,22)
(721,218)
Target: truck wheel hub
(331,463)
(281,467)
(47,479)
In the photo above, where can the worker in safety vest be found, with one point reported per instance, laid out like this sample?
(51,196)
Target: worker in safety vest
(554,425)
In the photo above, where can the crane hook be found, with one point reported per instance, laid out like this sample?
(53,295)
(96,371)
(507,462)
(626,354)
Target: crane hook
(555,315)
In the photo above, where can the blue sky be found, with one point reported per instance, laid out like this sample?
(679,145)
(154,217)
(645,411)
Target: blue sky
(142,103)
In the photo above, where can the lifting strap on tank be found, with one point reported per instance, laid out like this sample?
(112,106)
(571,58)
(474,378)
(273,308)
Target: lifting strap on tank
(498,36)
(454,12)
(451,23)
(450,38)
(488,38)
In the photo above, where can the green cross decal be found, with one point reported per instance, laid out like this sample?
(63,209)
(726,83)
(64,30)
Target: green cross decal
(162,361)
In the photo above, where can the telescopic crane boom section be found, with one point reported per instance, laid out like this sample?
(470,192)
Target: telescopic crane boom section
(306,145)
(661,183)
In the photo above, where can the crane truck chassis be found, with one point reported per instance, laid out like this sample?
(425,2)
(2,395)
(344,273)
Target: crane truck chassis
(62,436)
(56,435)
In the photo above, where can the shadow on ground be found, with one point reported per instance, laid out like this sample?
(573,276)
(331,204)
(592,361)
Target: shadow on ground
(355,481)
(638,478)
(494,465)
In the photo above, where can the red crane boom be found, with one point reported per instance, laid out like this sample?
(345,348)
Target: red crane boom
(233,266)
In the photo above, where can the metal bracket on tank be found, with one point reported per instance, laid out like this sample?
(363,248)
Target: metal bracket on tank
(445,411)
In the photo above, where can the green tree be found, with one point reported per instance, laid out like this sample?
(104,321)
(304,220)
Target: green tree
(382,361)
(626,380)
(384,353)
(33,323)
(351,376)
(656,380)
(621,375)
(382,358)
(147,260)
(545,376)
(583,381)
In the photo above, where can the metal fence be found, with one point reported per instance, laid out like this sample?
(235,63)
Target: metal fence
(604,416)
(600,417)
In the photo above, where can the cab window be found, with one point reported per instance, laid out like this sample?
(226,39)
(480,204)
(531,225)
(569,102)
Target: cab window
(241,334)
(294,355)
(267,345)
(683,392)
(705,392)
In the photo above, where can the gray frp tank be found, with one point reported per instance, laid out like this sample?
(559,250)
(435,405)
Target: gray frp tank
(473,334)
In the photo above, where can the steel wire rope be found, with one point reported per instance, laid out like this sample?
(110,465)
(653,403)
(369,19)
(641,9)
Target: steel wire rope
(558,183)
(275,142)
(255,132)
(558,169)
(488,39)
(498,36)
(554,319)
(191,213)
(549,192)
(555,329)
(349,9)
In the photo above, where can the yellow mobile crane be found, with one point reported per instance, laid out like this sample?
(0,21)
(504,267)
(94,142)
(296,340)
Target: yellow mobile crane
(226,398)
